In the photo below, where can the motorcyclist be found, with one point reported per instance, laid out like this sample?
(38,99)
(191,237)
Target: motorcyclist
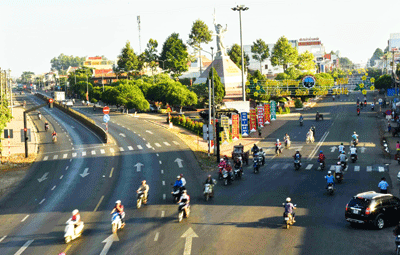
(289,207)
(76,218)
(317,115)
(358,110)
(355,137)
(329,179)
(237,163)
(372,106)
(321,158)
(39,115)
(313,131)
(278,146)
(145,189)
(185,198)
(358,100)
(183,180)
(343,158)
(262,155)
(297,156)
(255,149)
(178,182)
(301,119)
(46,125)
(228,168)
(310,135)
(119,208)
(54,135)
(286,138)
(341,148)
(353,151)
(210,181)
(221,165)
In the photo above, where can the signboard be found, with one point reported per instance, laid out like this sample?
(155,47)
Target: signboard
(208,132)
(391,92)
(308,81)
(260,115)
(273,110)
(253,120)
(28,134)
(267,113)
(169,109)
(106,118)
(106,110)
(235,127)
(225,126)
(245,124)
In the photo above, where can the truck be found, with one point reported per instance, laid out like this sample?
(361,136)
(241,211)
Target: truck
(59,96)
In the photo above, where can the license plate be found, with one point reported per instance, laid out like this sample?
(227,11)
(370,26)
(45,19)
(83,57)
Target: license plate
(355,211)
(286,218)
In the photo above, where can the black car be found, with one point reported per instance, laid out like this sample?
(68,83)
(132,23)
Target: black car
(373,208)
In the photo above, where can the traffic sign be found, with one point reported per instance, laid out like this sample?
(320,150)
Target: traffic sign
(380,100)
(208,132)
(169,109)
(106,118)
(106,110)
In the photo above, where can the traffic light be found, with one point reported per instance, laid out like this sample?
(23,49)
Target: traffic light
(51,103)
(25,129)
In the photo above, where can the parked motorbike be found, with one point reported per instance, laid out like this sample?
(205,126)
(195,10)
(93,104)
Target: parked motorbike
(208,191)
(330,189)
(181,211)
(256,165)
(116,222)
(70,232)
(140,199)
(297,164)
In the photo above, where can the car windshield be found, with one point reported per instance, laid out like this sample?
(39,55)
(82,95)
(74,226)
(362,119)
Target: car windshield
(361,202)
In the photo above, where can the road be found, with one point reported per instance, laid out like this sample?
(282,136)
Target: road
(243,218)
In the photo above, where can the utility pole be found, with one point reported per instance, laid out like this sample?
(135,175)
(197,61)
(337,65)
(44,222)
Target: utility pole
(394,72)
(140,44)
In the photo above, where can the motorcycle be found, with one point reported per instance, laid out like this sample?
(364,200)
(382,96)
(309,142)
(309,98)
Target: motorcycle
(261,157)
(116,222)
(330,189)
(70,232)
(46,127)
(176,193)
(354,142)
(372,108)
(344,166)
(140,199)
(301,123)
(208,191)
(54,138)
(339,177)
(353,158)
(220,169)
(297,164)
(227,177)
(321,165)
(238,172)
(397,242)
(182,212)
(358,112)
(256,165)
(287,221)
(39,116)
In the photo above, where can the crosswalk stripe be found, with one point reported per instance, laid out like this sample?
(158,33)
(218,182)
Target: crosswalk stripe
(130,148)
(112,150)
(274,166)
(309,166)
(369,168)
(167,144)
(176,143)
(93,152)
(74,154)
(148,145)
(55,157)
(102,151)
(140,147)
(83,153)
(121,149)
(65,155)
(285,166)
(381,169)
(45,158)
(356,168)
(332,167)
(158,145)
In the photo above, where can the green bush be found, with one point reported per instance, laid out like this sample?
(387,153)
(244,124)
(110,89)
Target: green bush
(287,110)
(298,103)
(280,110)
(194,126)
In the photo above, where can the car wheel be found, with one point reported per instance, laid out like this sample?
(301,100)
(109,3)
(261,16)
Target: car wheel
(379,222)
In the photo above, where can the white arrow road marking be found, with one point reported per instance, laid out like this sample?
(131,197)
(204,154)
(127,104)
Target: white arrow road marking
(356,168)
(139,166)
(55,157)
(109,240)
(122,134)
(121,149)
(274,166)
(130,148)
(309,166)
(381,169)
(102,151)
(363,149)
(1,239)
(140,147)
(148,131)
(369,168)
(160,162)
(189,234)
(332,167)
(167,144)
(112,150)
(74,154)
(179,161)
(85,173)
(65,155)
(23,248)
(156,237)
(148,145)
(158,145)
(45,158)
(333,148)
(176,143)
(285,166)
(44,177)
(53,187)
(83,153)
(26,217)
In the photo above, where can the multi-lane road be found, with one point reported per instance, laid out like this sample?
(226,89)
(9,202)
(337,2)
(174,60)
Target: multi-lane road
(79,171)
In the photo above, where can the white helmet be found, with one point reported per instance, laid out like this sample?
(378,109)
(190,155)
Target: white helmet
(277,140)
(76,211)
(221,160)
(118,201)
(329,172)
(288,199)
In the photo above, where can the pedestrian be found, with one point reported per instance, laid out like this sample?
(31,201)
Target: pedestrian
(259,131)
(384,103)
(383,185)
(389,128)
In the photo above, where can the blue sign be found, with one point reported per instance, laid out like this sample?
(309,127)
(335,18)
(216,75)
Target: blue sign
(308,81)
(106,118)
(391,92)
(245,124)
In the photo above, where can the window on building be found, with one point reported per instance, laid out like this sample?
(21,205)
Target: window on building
(266,67)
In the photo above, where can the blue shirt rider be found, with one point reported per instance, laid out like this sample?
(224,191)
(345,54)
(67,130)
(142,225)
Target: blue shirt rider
(178,182)
(301,118)
(329,179)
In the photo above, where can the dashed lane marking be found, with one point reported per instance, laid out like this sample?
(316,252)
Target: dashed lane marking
(158,145)
(381,169)
(42,201)
(156,237)
(98,204)
(121,149)
(112,170)
(26,217)
(112,150)
(83,153)
(274,166)
(148,145)
(369,168)
(285,166)
(74,154)
(140,147)
(53,187)
(309,166)
(45,158)
(1,239)
(357,168)
(130,148)
(167,144)
(102,151)
(65,155)
(176,143)
(23,248)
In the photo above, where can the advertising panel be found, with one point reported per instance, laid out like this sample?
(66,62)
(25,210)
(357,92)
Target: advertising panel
(260,115)
(253,120)
(245,124)
(273,110)
(235,127)
(267,113)
(225,132)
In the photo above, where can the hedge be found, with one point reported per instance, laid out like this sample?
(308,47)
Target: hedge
(194,126)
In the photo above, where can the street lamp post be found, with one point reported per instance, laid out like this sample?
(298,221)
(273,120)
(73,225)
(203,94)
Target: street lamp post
(241,8)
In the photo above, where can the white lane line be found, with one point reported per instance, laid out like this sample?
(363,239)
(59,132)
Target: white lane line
(309,166)
(148,131)
(72,144)
(356,168)
(274,166)
(157,155)
(45,158)
(121,149)
(1,239)
(160,162)
(112,150)
(130,148)
(140,147)
(162,213)
(167,144)
(26,217)
(65,155)
(112,170)
(144,139)
(158,145)
(162,171)
(23,248)
(98,204)
(381,169)
(332,167)
(83,153)
(318,145)
(55,157)
(154,149)
(176,143)
(285,166)
(61,177)
(164,196)
(53,187)
(93,152)
(70,160)
(163,183)
(369,168)
(102,151)
(139,135)
(74,154)
(148,145)
(156,237)
(42,201)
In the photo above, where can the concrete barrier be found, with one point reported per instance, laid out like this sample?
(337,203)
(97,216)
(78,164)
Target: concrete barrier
(88,122)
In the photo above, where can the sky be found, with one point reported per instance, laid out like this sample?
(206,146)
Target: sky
(32,32)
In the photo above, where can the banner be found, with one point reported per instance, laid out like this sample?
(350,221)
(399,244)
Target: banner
(245,124)
(267,113)
(225,132)
(260,115)
(253,120)
(273,110)
(235,127)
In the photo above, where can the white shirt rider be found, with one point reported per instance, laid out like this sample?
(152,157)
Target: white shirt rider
(342,157)
(341,148)
(338,168)
(353,150)
(183,181)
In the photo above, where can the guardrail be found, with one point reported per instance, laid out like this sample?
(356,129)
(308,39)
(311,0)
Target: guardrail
(88,122)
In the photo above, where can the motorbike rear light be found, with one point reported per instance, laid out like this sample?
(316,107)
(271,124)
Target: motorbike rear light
(367,211)
(347,207)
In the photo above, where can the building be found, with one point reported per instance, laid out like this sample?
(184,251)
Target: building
(99,63)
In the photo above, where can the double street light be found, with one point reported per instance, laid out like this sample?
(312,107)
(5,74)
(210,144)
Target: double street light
(241,8)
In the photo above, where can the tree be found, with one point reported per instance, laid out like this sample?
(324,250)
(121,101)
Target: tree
(260,51)
(109,96)
(283,53)
(26,77)
(306,61)
(219,88)
(378,53)
(345,63)
(384,82)
(235,54)
(130,96)
(62,62)
(150,54)
(198,35)
(128,61)
(175,55)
